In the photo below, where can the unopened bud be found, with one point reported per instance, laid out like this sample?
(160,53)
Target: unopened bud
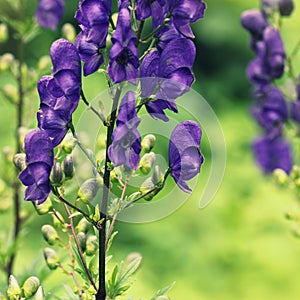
(31,286)
(58,219)
(44,207)
(280,177)
(83,225)
(57,175)
(44,63)
(82,240)
(293,213)
(91,245)
(39,295)
(22,131)
(146,187)
(8,153)
(68,167)
(14,291)
(286,7)
(68,32)
(116,174)
(6,60)
(68,143)
(88,190)
(20,161)
(157,176)
(49,233)
(3,33)
(146,162)
(51,258)
(148,142)
(295,173)
(11,92)
(163,297)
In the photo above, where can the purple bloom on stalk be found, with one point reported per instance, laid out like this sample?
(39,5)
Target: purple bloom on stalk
(168,75)
(286,7)
(124,60)
(273,154)
(185,158)
(39,161)
(49,13)
(126,140)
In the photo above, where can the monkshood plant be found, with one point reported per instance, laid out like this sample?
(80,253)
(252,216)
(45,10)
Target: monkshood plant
(277,94)
(145,71)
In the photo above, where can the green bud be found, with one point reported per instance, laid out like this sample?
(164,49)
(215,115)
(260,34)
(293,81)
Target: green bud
(116,174)
(39,295)
(68,32)
(3,33)
(20,161)
(68,167)
(14,289)
(51,258)
(148,142)
(11,92)
(91,245)
(82,240)
(57,175)
(57,219)
(6,60)
(88,190)
(146,187)
(146,162)
(281,177)
(22,131)
(68,143)
(83,225)
(163,297)
(8,154)
(295,173)
(49,233)
(157,176)
(293,213)
(44,63)
(43,208)
(31,286)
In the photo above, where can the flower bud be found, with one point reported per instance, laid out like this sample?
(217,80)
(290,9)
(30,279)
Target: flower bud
(44,207)
(57,219)
(20,161)
(68,167)
(91,245)
(115,174)
(39,295)
(68,32)
(293,213)
(8,154)
(82,240)
(280,177)
(295,173)
(49,233)
(44,63)
(11,92)
(31,286)
(148,142)
(22,132)
(57,175)
(163,297)
(83,225)
(286,7)
(3,33)
(6,61)
(88,190)
(146,162)
(51,258)
(157,176)
(14,289)
(146,187)
(68,143)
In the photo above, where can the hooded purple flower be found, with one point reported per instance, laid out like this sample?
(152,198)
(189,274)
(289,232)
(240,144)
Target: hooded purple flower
(185,158)
(49,13)
(271,111)
(39,162)
(126,146)
(124,60)
(273,154)
(184,12)
(168,75)
(60,93)
(151,8)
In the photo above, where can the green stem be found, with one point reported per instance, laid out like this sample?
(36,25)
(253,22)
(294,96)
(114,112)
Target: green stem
(151,34)
(139,32)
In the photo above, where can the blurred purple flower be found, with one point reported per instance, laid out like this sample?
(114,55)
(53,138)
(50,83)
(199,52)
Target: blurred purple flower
(126,140)
(286,7)
(124,60)
(49,13)
(39,161)
(273,154)
(185,158)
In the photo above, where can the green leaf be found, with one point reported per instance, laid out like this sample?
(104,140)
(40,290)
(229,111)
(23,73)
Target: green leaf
(111,240)
(163,291)
(131,268)
(80,264)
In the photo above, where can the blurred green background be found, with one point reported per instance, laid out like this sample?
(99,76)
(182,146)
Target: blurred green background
(238,247)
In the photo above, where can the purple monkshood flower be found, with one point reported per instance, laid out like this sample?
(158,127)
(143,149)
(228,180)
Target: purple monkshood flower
(49,13)
(59,93)
(185,158)
(151,8)
(184,12)
(126,140)
(286,7)
(271,111)
(273,154)
(124,59)
(39,162)
(167,75)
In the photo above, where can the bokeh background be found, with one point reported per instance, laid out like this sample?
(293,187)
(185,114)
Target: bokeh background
(240,246)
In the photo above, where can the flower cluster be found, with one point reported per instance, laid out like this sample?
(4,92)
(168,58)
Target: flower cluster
(59,97)
(271,110)
(49,13)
